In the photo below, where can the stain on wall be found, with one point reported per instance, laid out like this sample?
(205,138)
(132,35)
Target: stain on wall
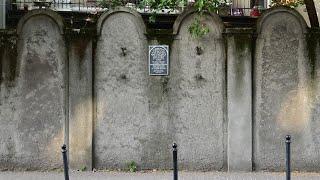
(80,103)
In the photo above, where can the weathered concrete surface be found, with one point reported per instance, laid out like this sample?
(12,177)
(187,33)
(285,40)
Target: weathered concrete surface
(282,93)
(157,151)
(155,176)
(239,93)
(138,117)
(7,107)
(122,124)
(3,14)
(80,104)
(34,109)
(197,86)
(314,53)
(317,6)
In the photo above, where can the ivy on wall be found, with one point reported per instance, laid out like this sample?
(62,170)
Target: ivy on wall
(198,28)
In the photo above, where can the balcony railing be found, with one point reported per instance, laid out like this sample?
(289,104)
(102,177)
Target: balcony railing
(237,7)
(56,5)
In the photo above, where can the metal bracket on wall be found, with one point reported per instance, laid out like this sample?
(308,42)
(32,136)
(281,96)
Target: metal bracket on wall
(199,50)
(124,51)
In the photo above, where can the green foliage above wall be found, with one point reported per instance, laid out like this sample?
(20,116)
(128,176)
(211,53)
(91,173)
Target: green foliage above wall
(197,30)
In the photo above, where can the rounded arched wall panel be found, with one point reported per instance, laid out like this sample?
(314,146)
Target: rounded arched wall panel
(122,120)
(41,91)
(197,85)
(282,92)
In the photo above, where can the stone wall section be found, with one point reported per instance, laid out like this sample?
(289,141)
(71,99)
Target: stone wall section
(229,99)
(283,92)
(197,83)
(80,124)
(34,112)
(122,122)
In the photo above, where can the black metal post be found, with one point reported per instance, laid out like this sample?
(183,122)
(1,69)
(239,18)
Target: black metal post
(65,162)
(288,169)
(175,161)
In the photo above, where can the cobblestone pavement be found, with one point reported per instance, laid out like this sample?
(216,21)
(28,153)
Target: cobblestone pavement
(154,176)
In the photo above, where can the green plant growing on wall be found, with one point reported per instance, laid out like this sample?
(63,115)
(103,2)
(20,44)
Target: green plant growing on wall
(197,29)
(132,166)
(83,168)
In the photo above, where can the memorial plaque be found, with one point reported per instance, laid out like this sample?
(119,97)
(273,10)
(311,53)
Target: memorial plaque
(159,60)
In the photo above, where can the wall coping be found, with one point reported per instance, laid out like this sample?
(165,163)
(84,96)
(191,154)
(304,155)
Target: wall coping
(190,11)
(38,12)
(239,30)
(108,13)
(281,9)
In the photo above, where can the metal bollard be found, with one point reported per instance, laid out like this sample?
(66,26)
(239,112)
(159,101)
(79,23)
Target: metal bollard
(288,169)
(175,161)
(65,162)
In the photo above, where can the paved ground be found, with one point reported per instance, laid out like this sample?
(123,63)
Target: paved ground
(154,176)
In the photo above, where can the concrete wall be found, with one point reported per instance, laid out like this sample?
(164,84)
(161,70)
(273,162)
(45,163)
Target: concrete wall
(3,14)
(197,83)
(228,106)
(283,92)
(80,124)
(123,119)
(239,93)
(33,125)
(7,106)
(46,95)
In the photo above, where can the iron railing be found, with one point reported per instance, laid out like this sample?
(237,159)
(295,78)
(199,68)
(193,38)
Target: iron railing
(236,8)
(56,5)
